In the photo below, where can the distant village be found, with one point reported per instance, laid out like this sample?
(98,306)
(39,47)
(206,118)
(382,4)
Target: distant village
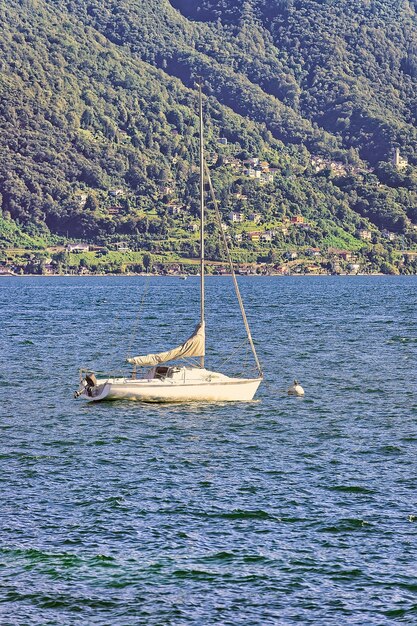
(260,170)
(239,226)
(61,260)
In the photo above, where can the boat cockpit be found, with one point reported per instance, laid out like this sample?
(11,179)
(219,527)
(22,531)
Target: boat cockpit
(160,372)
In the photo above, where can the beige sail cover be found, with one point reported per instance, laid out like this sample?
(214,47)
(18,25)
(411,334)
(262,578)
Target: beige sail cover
(193,346)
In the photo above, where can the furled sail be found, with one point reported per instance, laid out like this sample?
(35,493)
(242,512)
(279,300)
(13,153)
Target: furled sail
(193,346)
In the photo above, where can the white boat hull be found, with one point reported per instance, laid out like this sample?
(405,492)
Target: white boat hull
(232,390)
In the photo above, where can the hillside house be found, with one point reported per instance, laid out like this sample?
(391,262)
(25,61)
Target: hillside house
(78,247)
(252,162)
(313,252)
(318,163)
(122,246)
(344,255)
(255,217)
(387,235)
(223,141)
(175,209)
(6,271)
(338,168)
(266,237)
(221,270)
(297,219)
(82,199)
(232,162)
(245,269)
(236,217)
(49,268)
(254,235)
(236,163)
(365,234)
(117,193)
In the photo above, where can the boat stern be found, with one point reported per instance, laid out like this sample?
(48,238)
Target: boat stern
(91,388)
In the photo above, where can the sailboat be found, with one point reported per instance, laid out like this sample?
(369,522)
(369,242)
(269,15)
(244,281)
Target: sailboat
(166,380)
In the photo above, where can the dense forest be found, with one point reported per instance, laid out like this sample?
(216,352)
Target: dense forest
(305,102)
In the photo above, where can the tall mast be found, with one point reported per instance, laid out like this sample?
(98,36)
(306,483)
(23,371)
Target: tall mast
(200,93)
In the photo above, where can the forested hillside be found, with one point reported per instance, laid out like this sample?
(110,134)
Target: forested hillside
(305,102)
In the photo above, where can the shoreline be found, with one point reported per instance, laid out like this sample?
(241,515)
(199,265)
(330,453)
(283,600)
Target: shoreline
(180,277)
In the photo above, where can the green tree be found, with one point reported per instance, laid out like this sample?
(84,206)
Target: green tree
(147,261)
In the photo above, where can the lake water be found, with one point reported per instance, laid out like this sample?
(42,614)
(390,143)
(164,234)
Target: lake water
(280,511)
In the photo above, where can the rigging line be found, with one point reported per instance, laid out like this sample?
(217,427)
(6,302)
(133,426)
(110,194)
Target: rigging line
(191,361)
(232,270)
(236,351)
(138,315)
(117,329)
(245,361)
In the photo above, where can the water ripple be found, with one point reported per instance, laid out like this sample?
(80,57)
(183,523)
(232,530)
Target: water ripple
(279,511)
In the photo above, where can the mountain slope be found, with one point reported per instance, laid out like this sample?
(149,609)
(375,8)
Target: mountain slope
(352,65)
(97,100)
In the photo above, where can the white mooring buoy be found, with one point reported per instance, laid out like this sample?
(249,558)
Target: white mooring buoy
(295,389)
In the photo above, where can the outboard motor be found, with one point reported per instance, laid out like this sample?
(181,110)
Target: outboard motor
(90,379)
(90,383)
(87,385)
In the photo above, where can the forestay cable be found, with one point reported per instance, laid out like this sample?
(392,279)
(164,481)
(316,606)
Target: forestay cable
(138,317)
(232,270)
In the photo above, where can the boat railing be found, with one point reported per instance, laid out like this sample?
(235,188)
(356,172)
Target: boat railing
(83,371)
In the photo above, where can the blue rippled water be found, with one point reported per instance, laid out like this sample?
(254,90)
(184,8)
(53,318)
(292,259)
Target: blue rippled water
(280,511)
